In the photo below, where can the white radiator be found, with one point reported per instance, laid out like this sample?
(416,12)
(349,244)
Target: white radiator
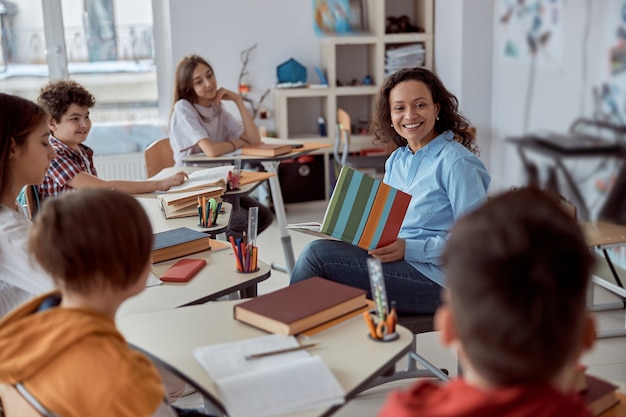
(126,166)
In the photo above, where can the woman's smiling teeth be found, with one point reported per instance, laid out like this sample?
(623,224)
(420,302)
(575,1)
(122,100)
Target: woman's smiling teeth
(412,125)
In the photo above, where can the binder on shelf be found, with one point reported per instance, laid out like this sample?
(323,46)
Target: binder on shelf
(362,211)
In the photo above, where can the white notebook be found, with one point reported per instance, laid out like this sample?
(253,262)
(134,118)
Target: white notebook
(269,386)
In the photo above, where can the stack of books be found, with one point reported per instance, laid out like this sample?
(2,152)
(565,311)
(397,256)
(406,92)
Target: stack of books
(265,149)
(409,56)
(185,204)
(302,306)
(178,242)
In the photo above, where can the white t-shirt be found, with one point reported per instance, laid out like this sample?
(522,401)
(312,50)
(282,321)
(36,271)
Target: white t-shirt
(187,127)
(21,278)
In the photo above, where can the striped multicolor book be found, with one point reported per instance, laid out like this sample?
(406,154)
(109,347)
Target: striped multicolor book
(362,211)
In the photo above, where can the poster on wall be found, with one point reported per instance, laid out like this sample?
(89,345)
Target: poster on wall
(531,29)
(610,94)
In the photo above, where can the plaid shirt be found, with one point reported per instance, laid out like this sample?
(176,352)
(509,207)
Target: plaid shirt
(65,166)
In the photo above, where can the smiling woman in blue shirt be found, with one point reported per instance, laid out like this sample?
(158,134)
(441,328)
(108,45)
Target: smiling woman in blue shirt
(436,163)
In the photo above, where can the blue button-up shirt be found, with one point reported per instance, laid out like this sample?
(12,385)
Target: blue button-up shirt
(445,180)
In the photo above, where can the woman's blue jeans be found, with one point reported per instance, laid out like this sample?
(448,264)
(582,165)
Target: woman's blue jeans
(341,262)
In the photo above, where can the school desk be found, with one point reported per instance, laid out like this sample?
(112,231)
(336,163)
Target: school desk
(354,359)
(218,278)
(271,164)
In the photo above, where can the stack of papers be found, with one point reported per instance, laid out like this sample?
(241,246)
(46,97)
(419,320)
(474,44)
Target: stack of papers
(272,385)
(185,204)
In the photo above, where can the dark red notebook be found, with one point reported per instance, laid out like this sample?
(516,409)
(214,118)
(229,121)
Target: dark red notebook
(183,270)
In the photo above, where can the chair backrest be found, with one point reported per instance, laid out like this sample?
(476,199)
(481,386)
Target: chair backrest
(33,202)
(342,141)
(14,404)
(614,208)
(158,155)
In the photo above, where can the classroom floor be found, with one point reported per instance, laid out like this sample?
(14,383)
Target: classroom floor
(606,360)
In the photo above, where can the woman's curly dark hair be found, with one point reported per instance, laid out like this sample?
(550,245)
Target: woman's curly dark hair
(449,116)
(57,96)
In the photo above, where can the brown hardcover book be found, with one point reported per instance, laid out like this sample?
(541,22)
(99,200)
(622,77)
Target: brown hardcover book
(599,395)
(178,242)
(266,149)
(299,307)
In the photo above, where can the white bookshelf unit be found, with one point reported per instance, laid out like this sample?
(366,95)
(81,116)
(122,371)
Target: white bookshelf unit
(346,59)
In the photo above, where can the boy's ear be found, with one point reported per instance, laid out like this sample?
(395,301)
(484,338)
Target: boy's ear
(444,323)
(52,124)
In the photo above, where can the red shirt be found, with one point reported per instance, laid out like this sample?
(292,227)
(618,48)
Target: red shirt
(459,399)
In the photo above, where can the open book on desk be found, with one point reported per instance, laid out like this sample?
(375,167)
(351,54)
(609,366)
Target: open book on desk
(362,211)
(272,385)
(203,178)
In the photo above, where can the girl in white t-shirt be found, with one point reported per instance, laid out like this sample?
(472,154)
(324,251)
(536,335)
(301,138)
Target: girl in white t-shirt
(199,123)
(25,155)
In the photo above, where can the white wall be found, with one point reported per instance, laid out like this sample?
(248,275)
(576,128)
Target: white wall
(463,61)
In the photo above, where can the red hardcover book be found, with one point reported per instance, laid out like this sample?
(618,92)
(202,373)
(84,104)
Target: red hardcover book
(183,270)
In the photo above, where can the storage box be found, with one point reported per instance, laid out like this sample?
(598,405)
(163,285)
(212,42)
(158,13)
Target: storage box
(302,179)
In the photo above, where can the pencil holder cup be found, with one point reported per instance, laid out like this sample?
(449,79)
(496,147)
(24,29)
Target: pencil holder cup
(381,330)
(386,338)
(247,272)
(246,256)
(233,180)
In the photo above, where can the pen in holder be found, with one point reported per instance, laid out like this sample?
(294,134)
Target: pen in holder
(382,324)
(234,176)
(246,251)
(208,210)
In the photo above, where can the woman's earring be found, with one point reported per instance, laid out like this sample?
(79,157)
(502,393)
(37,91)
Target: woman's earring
(437,117)
(391,125)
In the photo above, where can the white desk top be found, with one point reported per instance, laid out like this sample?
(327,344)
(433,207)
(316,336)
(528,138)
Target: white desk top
(170,336)
(216,279)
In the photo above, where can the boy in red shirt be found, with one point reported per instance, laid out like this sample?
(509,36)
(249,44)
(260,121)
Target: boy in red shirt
(517,270)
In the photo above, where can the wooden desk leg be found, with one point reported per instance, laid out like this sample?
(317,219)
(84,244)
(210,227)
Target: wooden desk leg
(279,206)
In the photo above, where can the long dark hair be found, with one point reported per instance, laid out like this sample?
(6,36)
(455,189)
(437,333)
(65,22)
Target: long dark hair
(449,116)
(183,81)
(18,118)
